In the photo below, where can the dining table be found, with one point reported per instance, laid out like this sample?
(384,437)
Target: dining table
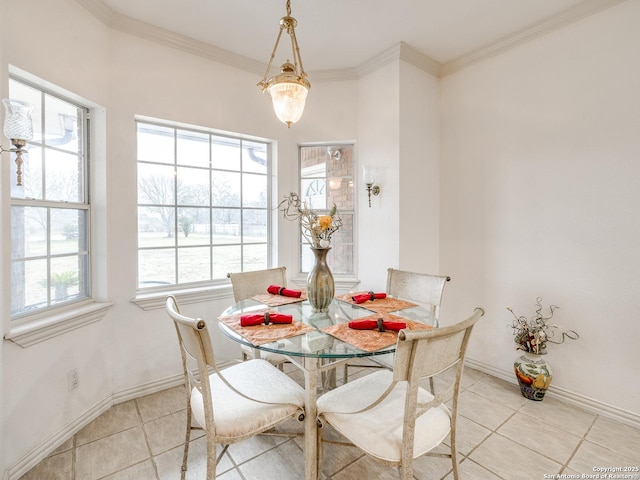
(319,342)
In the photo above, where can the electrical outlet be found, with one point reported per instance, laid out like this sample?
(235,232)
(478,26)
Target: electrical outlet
(72,379)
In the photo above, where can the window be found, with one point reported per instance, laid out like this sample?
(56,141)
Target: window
(326,177)
(50,213)
(203,205)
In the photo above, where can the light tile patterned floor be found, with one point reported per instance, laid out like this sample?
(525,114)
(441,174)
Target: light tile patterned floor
(502,436)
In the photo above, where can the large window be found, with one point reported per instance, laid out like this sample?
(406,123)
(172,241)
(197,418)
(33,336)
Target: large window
(203,205)
(50,213)
(326,178)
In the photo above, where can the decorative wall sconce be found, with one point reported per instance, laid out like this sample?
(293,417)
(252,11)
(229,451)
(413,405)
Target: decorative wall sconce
(289,89)
(369,176)
(19,129)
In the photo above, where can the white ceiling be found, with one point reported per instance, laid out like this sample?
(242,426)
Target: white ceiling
(336,34)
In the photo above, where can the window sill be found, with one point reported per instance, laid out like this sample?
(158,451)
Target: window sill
(48,326)
(155,300)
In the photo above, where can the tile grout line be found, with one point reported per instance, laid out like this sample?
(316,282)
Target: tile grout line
(583,439)
(146,439)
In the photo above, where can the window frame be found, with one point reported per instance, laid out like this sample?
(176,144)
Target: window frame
(146,297)
(343,280)
(60,319)
(53,308)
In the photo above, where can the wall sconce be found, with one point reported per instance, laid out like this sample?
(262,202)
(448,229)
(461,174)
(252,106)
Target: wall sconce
(19,129)
(369,176)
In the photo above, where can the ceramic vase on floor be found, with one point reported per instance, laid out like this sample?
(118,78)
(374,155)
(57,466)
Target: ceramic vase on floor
(320,285)
(533,374)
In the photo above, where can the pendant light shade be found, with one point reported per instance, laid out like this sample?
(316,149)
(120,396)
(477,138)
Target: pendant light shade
(288,89)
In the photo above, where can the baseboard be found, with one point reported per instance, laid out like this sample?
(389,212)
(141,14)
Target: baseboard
(581,401)
(148,388)
(48,445)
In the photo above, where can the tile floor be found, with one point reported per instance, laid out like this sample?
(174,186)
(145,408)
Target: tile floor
(502,436)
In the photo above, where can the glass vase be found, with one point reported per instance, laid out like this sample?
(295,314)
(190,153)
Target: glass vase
(320,285)
(533,374)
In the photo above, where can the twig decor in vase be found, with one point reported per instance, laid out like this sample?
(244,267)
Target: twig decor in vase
(532,336)
(317,230)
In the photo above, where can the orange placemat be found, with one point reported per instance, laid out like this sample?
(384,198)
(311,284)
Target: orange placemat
(277,300)
(372,340)
(380,305)
(261,334)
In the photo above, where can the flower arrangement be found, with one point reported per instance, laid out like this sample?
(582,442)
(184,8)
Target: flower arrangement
(532,335)
(316,229)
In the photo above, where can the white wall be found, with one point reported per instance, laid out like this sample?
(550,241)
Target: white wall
(379,147)
(419,180)
(539,192)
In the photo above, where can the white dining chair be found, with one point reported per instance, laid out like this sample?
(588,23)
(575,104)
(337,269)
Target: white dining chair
(388,414)
(232,404)
(246,285)
(421,288)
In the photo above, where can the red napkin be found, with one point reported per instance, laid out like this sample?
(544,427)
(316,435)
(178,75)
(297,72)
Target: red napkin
(363,297)
(379,325)
(285,292)
(252,319)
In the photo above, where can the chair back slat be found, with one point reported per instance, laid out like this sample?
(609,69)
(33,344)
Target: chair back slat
(419,287)
(424,353)
(247,284)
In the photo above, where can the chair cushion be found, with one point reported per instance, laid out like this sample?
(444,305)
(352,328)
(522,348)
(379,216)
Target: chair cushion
(236,417)
(378,431)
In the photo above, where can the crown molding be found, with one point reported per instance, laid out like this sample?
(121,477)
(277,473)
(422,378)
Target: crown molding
(571,15)
(402,51)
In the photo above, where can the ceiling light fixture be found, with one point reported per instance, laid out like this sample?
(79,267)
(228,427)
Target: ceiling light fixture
(288,89)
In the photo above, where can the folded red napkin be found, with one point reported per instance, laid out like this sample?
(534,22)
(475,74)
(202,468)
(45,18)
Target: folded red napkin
(363,297)
(251,319)
(377,324)
(285,292)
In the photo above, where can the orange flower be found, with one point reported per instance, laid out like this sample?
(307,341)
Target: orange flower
(325,222)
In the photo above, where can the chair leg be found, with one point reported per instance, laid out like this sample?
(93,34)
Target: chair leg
(187,438)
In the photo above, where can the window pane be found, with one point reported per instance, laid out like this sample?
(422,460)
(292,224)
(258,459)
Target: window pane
(61,124)
(254,157)
(193,186)
(28,286)
(28,231)
(194,264)
(193,148)
(155,144)
(226,226)
(156,184)
(254,226)
(156,267)
(254,257)
(254,190)
(226,189)
(193,226)
(225,153)
(65,273)
(63,176)
(156,227)
(67,230)
(225,260)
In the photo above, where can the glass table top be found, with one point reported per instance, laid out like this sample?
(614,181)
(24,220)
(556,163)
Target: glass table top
(317,343)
